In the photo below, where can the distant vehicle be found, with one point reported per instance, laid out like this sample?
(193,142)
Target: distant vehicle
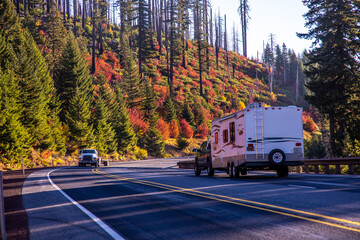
(256,138)
(89,156)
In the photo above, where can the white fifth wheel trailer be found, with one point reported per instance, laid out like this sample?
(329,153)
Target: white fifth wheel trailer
(255,138)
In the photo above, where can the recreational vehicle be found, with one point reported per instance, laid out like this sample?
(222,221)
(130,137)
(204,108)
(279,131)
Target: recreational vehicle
(256,138)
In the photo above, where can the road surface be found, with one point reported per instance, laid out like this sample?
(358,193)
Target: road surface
(155,200)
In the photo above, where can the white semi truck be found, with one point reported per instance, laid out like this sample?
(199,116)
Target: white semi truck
(258,137)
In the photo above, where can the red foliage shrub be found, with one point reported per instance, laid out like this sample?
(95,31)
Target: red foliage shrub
(203,131)
(207,83)
(164,129)
(186,129)
(192,73)
(174,129)
(192,62)
(309,124)
(140,127)
(180,98)
(212,73)
(182,71)
(190,44)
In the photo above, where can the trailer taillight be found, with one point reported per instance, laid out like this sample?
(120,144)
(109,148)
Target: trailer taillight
(298,144)
(250,147)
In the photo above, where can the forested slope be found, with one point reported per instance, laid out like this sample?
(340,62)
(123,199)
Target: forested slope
(70,82)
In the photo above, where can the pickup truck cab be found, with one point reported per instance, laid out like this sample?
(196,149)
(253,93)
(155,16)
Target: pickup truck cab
(89,156)
(203,159)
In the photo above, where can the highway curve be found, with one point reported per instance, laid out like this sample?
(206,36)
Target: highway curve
(153,200)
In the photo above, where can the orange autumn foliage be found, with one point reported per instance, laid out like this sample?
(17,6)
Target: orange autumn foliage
(186,129)
(174,129)
(163,128)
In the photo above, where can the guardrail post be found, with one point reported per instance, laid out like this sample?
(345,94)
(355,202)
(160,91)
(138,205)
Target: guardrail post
(307,168)
(327,169)
(316,169)
(2,209)
(351,169)
(338,169)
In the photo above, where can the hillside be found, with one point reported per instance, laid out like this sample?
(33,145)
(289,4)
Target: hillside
(128,106)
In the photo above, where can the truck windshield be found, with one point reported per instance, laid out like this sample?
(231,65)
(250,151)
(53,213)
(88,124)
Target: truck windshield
(89,151)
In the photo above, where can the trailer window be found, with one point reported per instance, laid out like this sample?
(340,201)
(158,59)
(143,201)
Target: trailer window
(226,136)
(216,137)
(232,131)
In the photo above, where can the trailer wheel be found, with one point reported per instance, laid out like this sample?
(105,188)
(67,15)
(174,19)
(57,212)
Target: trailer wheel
(277,156)
(210,169)
(237,172)
(232,170)
(197,170)
(282,171)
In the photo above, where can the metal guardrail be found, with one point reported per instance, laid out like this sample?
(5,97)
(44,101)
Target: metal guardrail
(326,162)
(337,162)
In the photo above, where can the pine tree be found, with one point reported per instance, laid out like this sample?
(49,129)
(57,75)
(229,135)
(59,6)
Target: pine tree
(104,135)
(170,110)
(148,104)
(333,66)
(78,118)
(122,125)
(154,142)
(73,72)
(188,115)
(131,79)
(56,36)
(14,138)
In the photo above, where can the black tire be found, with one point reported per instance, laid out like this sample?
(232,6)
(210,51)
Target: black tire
(197,170)
(277,157)
(237,172)
(210,169)
(243,171)
(232,170)
(282,171)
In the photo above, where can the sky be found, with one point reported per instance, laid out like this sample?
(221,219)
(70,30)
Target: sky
(283,18)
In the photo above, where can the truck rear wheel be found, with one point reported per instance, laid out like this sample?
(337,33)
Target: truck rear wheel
(243,171)
(210,169)
(197,170)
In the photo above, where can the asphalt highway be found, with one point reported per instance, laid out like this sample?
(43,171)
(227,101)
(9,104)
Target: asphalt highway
(154,200)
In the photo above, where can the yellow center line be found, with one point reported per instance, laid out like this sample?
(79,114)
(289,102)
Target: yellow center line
(232,200)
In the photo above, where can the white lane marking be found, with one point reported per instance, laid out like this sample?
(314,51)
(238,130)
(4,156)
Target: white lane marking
(301,186)
(331,184)
(103,225)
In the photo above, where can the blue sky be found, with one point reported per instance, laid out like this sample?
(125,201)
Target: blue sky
(280,17)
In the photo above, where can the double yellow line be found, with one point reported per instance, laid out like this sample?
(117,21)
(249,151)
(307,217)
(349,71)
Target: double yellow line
(243,202)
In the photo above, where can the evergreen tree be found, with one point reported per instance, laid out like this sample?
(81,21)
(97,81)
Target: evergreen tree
(170,110)
(14,138)
(148,105)
(78,118)
(286,62)
(279,63)
(131,79)
(153,141)
(105,140)
(73,73)
(55,40)
(144,40)
(188,115)
(333,66)
(122,125)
